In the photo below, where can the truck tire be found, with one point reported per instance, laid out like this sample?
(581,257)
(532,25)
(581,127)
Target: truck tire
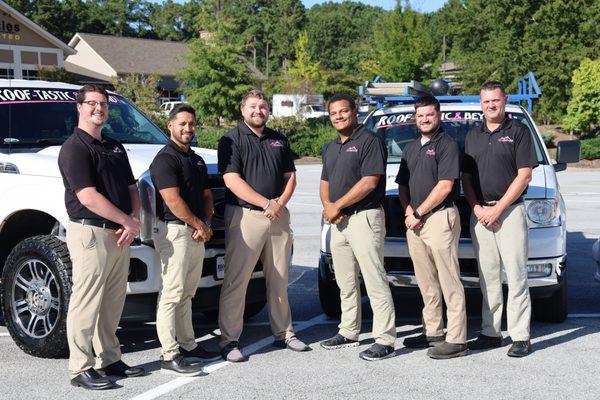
(329,294)
(35,292)
(554,308)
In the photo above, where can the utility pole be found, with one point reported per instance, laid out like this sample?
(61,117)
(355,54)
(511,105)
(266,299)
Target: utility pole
(267,61)
(254,50)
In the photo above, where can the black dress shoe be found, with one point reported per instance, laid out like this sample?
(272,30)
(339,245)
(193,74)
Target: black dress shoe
(121,369)
(180,366)
(422,341)
(90,379)
(519,348)
(485,342)
(201,353)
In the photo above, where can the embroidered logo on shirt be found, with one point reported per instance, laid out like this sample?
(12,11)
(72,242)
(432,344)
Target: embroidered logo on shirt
(352,149)
(505,139)
(117,150)
(276,143)
(430,152)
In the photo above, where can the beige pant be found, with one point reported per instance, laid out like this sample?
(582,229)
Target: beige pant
(434,253)
(100,271)
(249,236)
(181,260)
(506,246)
(357,247)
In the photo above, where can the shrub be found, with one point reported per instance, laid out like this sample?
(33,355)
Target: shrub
(548,140)
(590,148)
(309,142)
(208,137)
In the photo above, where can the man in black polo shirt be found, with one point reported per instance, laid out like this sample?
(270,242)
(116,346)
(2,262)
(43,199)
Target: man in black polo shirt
(499,156)
(428,185)
(258,169)
(352,190)
(184,210)
(103,206)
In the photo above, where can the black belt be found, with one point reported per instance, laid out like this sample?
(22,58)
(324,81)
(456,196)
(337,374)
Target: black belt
(100,223)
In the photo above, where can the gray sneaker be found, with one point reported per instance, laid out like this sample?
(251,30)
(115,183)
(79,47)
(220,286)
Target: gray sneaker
(232,353)
(292,343)
(447,350)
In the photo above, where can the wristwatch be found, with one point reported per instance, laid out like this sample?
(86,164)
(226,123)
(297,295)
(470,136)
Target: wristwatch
(417,215)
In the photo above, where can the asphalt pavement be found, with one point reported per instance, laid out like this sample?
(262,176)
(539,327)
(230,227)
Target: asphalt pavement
(564,363)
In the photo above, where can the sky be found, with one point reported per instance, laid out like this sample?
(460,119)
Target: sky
(419,5)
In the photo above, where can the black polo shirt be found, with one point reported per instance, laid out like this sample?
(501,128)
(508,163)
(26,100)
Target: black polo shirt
(493,158)
(175,168)
(344,164)
(260,161)
(86,162)
(423,166)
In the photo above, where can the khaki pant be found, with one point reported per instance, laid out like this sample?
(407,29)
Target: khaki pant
(249,236)
(506,246)
(357,247)
(100,271)
(181,261)
(434,253)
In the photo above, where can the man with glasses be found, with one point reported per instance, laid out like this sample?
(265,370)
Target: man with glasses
(103,205)
(497,167)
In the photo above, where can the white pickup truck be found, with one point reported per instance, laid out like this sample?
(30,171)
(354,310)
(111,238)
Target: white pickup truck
(35,119)
(544,204)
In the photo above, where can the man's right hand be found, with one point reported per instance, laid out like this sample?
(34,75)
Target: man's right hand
(274,210)
(129,231)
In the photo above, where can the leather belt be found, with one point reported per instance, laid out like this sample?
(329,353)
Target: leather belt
(176,222)
(100,223)
(494,202)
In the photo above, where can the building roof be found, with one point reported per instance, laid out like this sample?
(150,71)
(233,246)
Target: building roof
(136,56)
(36,28)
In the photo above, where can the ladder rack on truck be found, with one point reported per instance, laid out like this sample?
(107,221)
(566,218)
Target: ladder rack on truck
(379,93)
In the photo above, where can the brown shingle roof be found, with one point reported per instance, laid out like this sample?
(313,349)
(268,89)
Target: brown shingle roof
(138,56)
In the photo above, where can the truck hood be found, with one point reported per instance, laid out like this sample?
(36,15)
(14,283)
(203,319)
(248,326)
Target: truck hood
(536,189)
(45,162)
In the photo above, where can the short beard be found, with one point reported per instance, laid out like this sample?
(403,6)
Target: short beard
(251,124)
(434,129)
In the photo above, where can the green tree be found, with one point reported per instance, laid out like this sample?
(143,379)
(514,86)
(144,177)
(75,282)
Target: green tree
(583,111)
(403,44)
(142,90)
(55,74)
(214,81)
(303,67)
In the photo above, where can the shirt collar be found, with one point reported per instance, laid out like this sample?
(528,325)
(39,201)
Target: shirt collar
(437,135)
(355,134)
(178,149)
(86,136)
(506,124)
(245,129)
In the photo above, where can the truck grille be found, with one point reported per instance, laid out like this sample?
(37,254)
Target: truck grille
(404,265)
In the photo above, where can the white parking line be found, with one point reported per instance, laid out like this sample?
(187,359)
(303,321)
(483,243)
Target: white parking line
(254,347)
(4,334)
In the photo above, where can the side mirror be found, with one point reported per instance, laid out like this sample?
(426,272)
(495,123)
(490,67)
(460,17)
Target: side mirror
(567,151)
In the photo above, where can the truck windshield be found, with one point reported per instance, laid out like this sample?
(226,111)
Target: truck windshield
(38,118)
(399,129)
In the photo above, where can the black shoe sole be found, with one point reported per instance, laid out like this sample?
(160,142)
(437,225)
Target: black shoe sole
(105,387)
(339,346)
(448,356)
(190,374)
(518,355)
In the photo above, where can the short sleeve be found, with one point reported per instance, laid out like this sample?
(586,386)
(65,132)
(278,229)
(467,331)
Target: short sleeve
(524,151)
(288,158)
(77,167)
(373,158)
(468,162)
(403,176)
(228,156)
(165,172)
(449,161)
(324,175)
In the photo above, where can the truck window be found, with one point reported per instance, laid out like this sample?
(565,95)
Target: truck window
(399,129)
(37,123)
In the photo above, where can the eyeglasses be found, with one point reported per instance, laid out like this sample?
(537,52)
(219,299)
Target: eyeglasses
(93,104)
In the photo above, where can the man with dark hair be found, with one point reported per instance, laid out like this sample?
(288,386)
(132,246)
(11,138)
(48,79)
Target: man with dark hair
(103,205)
(184,209)
(258,170)
(497,167)
(352,190)
(428,186)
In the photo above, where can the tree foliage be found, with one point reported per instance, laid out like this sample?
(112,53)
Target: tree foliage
(142,90)
(214,81)
(583,111)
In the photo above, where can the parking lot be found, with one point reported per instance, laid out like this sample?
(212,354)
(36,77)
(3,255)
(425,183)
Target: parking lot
(564,362)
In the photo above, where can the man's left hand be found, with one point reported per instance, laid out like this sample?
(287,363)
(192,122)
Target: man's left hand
(490,217)
(331,211)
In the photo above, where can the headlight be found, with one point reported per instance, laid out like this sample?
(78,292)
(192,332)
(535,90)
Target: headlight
(543,212)
(8,168)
